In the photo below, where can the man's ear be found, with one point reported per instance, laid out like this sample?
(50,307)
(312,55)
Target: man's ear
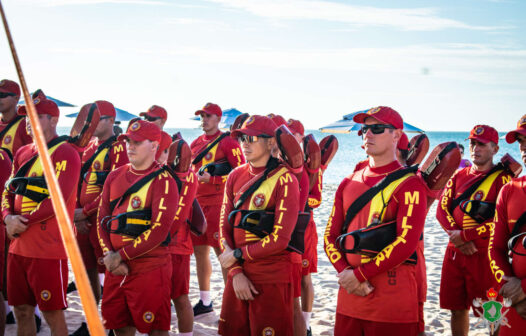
(271,143)
(54,121)
(397,134)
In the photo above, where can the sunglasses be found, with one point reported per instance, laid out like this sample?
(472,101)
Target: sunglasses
(6,94)
(149,118)
(376,128)
(251,138)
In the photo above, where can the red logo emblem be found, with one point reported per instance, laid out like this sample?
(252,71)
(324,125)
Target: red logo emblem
(135,126)
(259,200)
(96,165)
(373,110)
(216,235)
(478,195)
(45,295)
(36,101)
(522,121)
(268,331)
(249,121)
(136,202)
(7,139)
(208,156)
(33,174)
(148,317)
(478,130)
(305,263)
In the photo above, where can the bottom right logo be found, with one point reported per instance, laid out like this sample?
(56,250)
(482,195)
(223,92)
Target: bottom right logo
(492,315)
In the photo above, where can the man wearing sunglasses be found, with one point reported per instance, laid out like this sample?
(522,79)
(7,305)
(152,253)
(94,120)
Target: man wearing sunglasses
(509,222)
(155,114)
(13,133)
(258,297)
(393,308)
(466,272)
(102,155)
(211,148)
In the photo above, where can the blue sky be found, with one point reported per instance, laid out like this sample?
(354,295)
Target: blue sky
(444,65)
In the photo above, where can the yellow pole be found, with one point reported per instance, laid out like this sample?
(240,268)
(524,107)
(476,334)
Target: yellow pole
(63,220)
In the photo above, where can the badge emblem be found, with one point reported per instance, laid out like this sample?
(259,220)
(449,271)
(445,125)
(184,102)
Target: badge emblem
(373,110)
(492,314)
(305,263)
(136,202)
(45,295)
(268,331)
(479,195)
(135,126)
(522,122)
(7,139)
(96,165)
(208,156)
(36,101)
(216,235)
(148,317)
(478,130)
(249,121)
(259,200)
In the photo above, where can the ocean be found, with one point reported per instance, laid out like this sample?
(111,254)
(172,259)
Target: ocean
(350,152)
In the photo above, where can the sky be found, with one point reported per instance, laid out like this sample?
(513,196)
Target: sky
(444,65)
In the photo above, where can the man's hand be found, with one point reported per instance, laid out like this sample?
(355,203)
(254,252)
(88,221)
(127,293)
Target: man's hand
(468,248)
(227,259)
(364,289)
(121,270)
(520,308)
(455,237)
(79,215)
(15,225)
(243,288)
(512,290)
(112,260)
(348,281)
(205,178)
(83,226)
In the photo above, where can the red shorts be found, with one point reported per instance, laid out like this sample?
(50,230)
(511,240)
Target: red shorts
(310,256)
(35,281)
(464,278)
(180,275)
(515,321)
(141,300)
(90,249)
(421,320)
(270,313)
(211,236)
(296,279)
(350,326)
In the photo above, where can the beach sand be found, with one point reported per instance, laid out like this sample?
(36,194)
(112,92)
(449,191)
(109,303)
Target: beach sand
(325,286)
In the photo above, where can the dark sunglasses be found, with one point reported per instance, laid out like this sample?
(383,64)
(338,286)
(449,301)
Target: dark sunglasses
(251,138)
(376,128)
(6,94)
(149,118)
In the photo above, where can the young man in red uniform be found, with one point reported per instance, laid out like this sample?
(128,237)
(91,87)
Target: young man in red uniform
(137,282)
(102,155)
(156,115)
(465,272)
(258,296)
(511,276)
(5,171)
(210,194)
(13,134)
(37,270)
(392,307)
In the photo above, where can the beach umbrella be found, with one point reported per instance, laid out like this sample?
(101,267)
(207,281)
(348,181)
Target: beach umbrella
(228,118)
(60,103)
(346,125)
(121,115)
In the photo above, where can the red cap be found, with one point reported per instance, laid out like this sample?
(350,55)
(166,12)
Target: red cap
(521,129)
(105,108)
(142,130)
(8,86)
(296,126)
(403,143)
(166,141)
(155,112)
(256,125)
(43,106)
(383,114)
(484,134)
(210,108)
(277,119)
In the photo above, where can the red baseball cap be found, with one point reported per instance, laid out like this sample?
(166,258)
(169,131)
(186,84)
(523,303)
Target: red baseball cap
(43,106)
(256,125)
(155,111)
(277,119)
(8,86)
(383,114)
(484,134)
(210,108)
(105,108)
(142,130)
(166,141)
(403,143)
(521,129)
(296,126)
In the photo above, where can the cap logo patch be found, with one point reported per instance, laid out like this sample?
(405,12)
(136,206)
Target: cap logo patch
(259,200)
(2,82)
(45,295)
(373,110)
(207,105)
(135,126)
(250,121)
(36,101)
(478,130)
(148,317)
(522,122)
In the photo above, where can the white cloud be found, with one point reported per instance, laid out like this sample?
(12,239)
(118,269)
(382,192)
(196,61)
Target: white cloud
(53,3)
(418,19)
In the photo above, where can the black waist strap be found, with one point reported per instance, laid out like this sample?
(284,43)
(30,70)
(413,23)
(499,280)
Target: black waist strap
(132,224)
(34,188)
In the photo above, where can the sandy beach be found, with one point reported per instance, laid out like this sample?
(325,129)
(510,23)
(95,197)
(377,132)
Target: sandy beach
(325,284)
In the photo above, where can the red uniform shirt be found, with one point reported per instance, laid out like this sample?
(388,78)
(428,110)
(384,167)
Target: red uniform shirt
(160,195)
(314,199)
(107,160)
(181,242)
(406,203)
(266,259)
(511,204)
(227,149)
(5,172)
(42,238)
(16,137)
(458,220)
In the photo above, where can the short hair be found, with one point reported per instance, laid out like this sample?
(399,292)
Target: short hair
(404,154)
(461,146)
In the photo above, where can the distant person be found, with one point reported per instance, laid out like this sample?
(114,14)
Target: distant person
(464,162)
(13,133)
(156,115)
